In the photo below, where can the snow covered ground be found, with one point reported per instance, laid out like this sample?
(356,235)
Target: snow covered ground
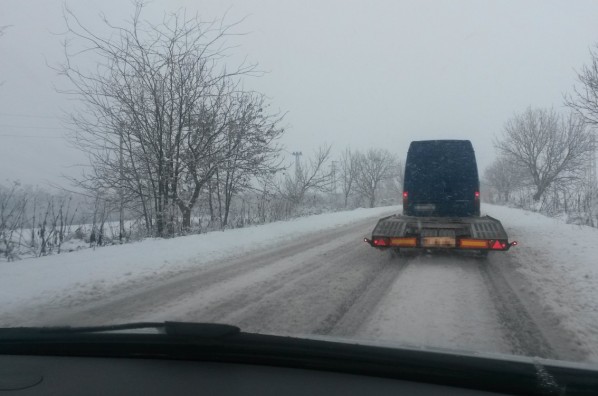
(90,273)
(560,263)
(323,285)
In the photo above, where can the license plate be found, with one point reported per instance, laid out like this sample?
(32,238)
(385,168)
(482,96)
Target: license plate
(425,207)
(439,242)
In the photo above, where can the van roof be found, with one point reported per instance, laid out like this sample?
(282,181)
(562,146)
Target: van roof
(443,142)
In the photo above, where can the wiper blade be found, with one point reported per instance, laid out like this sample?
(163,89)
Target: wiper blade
(175,329)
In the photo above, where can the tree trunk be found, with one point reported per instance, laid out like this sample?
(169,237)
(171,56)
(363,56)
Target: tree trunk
(538,195)
(211,203)
(186,212)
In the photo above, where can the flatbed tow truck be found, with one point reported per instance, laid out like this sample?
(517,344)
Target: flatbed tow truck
(441,204)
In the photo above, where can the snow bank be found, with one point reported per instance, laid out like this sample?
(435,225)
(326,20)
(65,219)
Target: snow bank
(560,261)
(91,273)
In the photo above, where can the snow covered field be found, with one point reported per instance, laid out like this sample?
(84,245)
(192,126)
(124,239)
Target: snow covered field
(324,280)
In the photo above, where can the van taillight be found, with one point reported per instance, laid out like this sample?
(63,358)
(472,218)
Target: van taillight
(477,194)
(405,196)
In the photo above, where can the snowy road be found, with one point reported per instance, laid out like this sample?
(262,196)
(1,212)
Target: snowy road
(338,286)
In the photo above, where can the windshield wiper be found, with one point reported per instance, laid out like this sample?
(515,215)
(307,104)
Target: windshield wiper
(175,329)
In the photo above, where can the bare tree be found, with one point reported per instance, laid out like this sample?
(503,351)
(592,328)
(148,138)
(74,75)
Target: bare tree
(374,166)
(156,111)
(312,176)
(551,148)
(584,100)
(505,175)
(250,151)
(348,173)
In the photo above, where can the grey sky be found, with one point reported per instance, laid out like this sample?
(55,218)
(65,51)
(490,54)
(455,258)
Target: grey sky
(349,73)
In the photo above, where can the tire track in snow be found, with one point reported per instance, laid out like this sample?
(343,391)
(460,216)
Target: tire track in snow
(241,303)
(520,329)
(310,302)
(355,311)
(441,301)
(533,330)
(137,302)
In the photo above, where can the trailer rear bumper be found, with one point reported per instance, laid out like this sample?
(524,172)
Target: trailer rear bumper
(462,244)
(469,233)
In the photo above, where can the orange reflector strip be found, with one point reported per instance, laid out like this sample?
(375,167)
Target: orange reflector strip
(404,242)
(473,243)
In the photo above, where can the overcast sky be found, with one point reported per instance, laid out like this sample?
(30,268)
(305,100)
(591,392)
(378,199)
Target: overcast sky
(358,74)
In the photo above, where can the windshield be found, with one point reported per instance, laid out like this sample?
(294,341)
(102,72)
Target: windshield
(223,162)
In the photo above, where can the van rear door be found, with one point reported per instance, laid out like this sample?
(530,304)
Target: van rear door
(441,179)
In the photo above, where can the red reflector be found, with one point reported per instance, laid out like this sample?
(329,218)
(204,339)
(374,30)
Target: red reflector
(498,245)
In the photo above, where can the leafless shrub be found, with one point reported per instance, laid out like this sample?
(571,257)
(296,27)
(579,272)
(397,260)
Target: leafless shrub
(12,216)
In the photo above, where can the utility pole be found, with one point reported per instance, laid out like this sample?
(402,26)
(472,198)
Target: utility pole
(297,154)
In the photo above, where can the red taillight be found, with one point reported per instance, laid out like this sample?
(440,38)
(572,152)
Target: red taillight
(405,196)
(477,194)
(381,242)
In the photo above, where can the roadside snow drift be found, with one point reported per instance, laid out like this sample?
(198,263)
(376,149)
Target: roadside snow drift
(560,261)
